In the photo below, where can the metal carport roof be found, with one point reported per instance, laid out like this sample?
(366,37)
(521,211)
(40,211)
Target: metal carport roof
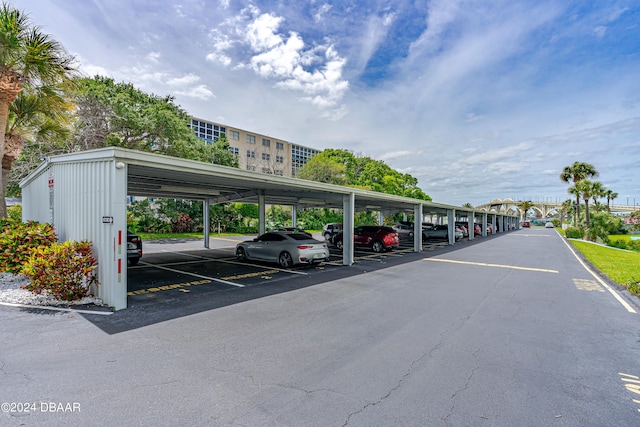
(84,195)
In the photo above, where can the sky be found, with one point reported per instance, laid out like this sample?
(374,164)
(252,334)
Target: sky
(477,99)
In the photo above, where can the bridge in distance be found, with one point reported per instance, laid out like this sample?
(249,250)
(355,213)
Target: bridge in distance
(544,208)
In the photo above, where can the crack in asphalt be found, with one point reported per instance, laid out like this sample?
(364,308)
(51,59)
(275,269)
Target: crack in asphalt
(461,390)
(401,380)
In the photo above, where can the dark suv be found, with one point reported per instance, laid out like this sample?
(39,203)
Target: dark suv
(377,237)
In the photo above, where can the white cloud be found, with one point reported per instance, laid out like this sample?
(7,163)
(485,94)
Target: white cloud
(154,56)
(399,155)
(199,92)
(600,31)
(185,80)
(284,58)
(322,10)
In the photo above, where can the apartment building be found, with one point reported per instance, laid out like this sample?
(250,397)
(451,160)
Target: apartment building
(256,152)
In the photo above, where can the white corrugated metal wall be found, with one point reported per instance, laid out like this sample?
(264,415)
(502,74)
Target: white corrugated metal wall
(37,194)
(89,203)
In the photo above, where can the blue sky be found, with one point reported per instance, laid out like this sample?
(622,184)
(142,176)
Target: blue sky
(477,99)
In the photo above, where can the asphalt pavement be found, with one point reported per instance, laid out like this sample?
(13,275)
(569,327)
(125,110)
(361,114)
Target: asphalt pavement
(512,330)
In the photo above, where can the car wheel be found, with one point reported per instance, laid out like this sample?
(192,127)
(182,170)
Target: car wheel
(377,246)
(411,235)
(133,261)
(327,237)
(339,244)
(285,260)
(241,254)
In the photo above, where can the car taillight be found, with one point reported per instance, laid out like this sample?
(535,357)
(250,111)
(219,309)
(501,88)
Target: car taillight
(305,246)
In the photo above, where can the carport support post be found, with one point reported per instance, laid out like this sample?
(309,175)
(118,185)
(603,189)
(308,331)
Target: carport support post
(294,216)
(470,218)
(205,222)
(493,224)
(484,225)
(348,211)
(261,213)
(451,225)
(417,227)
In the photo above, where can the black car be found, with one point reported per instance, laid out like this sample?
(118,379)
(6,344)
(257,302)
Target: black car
(134,248)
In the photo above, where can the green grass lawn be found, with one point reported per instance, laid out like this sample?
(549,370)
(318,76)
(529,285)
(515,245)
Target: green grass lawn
(624,237)
(621,266)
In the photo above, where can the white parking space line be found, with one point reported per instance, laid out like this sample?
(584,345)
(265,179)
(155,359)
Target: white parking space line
(226,261)
(213,279)
(483,264)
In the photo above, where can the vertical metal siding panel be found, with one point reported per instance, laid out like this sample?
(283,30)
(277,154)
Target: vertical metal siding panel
(35,195)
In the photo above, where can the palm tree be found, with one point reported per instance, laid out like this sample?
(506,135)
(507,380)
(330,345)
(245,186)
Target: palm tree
(38,115)
(576,173)
(524,208)
(610,195)
(567,208)
(27,56)
(586,189)
(573,190)
(597,191)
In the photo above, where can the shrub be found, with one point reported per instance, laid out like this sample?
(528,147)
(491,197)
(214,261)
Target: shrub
(574,233)
(15,212)
(64,270)
(620,244)
(19,239)
(182,224)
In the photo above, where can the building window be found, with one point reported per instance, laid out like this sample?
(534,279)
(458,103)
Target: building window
(266,142)
(234,135)
(266,170)
(279,159)
(266,156)
(279,146)
(279,173)
(251,139)
(300,156)
(235,150)
(251,154)
(251,168)
(206,131)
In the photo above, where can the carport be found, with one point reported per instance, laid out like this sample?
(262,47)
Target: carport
(84,195)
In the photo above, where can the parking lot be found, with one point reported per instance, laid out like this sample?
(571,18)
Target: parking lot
(180,277)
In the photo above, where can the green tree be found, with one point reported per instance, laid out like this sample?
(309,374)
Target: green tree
(634,220)
(220,153)
(575,173)
(342,167)
(324,168)
(39,115)
(597,191)
(586,189)
(118,114)
(524,208)
(27,57)
(602,225)
(610,195)
(567,208)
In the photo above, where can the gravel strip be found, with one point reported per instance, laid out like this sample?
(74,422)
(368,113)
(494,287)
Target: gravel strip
(10,292)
